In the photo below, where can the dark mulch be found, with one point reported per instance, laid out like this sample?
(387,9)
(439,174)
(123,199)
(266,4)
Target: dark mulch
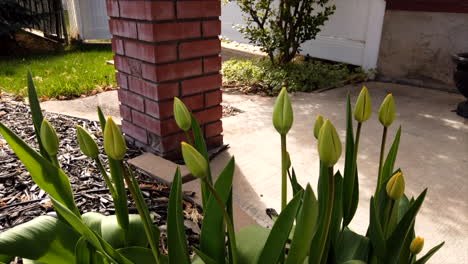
(21,200)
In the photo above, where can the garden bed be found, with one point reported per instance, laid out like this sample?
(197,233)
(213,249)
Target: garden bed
(22,200)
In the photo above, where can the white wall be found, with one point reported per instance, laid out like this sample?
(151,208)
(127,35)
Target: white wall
(352,34)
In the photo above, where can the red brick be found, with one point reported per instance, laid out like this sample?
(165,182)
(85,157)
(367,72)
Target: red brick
(125,112)
(213,98)
(213,129)
(215,141)
(168,31)
(153,91)
(128,65)
(161,127)
(209,115)
(199,48)
(122,80)
(211,28)
(173,71)
(117,46)
(200,84)
(198,9)
(130,99)
(148,10)
(194,102)
(212,64)
(150,53)
(139,118)
(159,110)
(123,28)
(112,8)
(171,142)
(135,132)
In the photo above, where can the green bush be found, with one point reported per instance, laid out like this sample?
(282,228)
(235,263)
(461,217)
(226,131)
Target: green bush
(302,76)
(310,229)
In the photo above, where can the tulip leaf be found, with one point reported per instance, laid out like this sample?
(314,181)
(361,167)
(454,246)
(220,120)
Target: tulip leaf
(120,199)
(274,246)
(102,119)
(429,254)
(176,239)
(250,242)
(387,169)
(47,239)
(354,262)
(296,187)
(36,114)
(351,247)
(375,230)
(138,255)
(212,239)
(305,228)
(94,239)
(203,257)
(83,251)
(402,230)
(47,176)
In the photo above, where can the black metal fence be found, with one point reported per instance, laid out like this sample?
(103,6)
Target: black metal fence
(53,20)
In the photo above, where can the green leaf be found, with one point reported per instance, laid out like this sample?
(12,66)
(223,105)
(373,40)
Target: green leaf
(305,229)
(250,242)
(351,182)
(176,239)
(354,262)
(120,199)
(351,247)
(337,217)
(95,240)
(387,169)
(279,234)
(138,255)
(46,239)
(403,229)
(375,231)
(36,114)
(205,259)
(83,251)
(212,239)
(429,254)
(47,176)
(296,187)
(102,119)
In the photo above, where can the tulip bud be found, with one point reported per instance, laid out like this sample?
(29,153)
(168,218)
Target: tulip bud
(387,111)
(195,162)
(283,113)
(114,142)
(49,138)
(329,144)
(288,160)
(182,115)
(396,186)
(318,125)
(363,107)
(417,245)
(87,144)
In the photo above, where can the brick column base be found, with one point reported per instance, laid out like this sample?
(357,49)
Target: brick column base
(165,49)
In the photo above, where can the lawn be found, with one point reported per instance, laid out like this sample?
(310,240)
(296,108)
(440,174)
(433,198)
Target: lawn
(67,74)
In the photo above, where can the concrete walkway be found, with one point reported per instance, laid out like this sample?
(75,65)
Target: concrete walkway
(433,153)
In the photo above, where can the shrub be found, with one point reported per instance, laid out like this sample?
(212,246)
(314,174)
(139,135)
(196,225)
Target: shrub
(302,76)
(310,229)
(280,27)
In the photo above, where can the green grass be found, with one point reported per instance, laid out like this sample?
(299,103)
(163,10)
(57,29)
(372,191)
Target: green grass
(67,74)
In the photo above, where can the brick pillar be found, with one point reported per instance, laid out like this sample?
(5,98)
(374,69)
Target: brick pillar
(165,49)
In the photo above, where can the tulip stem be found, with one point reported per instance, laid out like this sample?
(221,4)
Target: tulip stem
(189,138)
(354,165)
(230,226)
(382,150)
(328,215)
(284,194)
(55,161)
(105,176)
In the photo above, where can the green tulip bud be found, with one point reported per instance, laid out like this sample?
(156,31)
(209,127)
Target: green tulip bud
(318,125)
(417,245)
(288,160)
(329,144)
(195,162)
(87,144)
(396,186)
(387,111)
(283,113)
(363,107)
(114,141)
(182,115)
(49,138)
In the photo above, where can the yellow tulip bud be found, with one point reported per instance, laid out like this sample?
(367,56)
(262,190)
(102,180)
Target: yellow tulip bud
(182,115)
(329,144)
(195,162)
(114,142)
(387,111)
(417,245)
(283,113)
(396,186)
(49,138)
(363,107)
(318,125)
(87,144)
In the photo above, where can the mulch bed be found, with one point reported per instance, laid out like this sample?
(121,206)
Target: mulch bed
(21,200)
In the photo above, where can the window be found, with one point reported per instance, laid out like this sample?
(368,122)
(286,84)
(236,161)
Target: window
(452,6)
